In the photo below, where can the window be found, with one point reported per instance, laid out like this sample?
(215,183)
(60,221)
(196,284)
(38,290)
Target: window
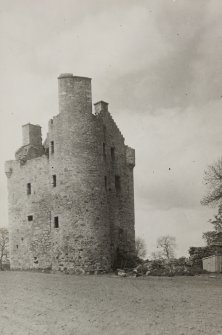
(120,234)
(112,153)
(52,147)
(36,260)
(117,183)
(104,132)
(29,188)
(104,150)
(105,182)
(30,218)
(56,222)
(54,180)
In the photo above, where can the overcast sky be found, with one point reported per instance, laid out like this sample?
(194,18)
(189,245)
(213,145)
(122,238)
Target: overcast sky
(158,64)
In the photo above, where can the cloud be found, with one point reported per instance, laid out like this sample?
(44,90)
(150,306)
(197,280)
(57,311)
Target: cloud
(172,150)
(187,69)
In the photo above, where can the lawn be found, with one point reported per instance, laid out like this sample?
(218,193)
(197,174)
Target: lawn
(40,303)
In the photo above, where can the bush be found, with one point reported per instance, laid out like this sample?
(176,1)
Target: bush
(125,261)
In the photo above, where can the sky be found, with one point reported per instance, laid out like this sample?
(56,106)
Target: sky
(159,65)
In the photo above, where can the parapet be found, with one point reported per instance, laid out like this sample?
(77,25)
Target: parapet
(70,75)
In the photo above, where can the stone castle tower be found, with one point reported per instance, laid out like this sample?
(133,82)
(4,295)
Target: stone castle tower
(71,199)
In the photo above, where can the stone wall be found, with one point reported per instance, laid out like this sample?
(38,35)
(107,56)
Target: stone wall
(118,164)
(29,214)
(81,200)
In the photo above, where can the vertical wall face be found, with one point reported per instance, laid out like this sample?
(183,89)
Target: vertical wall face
(29,214)
(118,163)
(82,240)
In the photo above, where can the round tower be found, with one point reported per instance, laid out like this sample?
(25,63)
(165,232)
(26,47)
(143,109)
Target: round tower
(79,213)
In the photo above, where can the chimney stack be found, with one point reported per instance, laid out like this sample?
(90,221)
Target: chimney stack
(31,134)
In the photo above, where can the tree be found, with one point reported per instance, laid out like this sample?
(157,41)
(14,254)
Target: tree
(215,234)
(210,237)
(213,197)
(167,246)
(213,180)
(157,255)
(4,244)
(140,247)
(217,220)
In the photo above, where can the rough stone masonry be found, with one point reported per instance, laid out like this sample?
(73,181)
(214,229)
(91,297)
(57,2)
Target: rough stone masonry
(71,199)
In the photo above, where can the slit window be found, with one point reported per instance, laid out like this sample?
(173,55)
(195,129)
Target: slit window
(56,222)
(29,188)
(112,153)
(30,218)
(117,183)
(54,180)
(105,182)
(120,234)
(104,132)
(52,147)
(104,150)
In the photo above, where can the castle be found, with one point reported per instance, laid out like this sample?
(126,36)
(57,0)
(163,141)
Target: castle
(71,198)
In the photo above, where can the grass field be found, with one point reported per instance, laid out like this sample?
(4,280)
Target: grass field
(39,303)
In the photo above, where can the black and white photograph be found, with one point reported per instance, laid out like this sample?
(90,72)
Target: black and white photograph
(111,167)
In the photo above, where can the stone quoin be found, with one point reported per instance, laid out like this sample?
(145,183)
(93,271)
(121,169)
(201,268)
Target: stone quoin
(71,198)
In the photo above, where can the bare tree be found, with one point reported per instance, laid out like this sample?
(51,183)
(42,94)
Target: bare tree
(166,246)
(140,247)
(4,243)
(213,181)
(157,255)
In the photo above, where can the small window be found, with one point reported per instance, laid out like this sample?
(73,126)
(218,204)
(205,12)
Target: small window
(30,218)
(112,153)
(104,150)
(56,222)
(104,132)
(36,260)
(120,234)
(29,188)
(54,180)
(105,182)
(117,183)
(17,246)
(52,147)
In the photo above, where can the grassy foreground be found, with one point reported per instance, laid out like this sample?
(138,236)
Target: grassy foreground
(40,303)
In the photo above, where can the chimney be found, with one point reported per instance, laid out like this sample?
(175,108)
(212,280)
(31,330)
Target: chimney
(31,134)
(101,106)
(74,94)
